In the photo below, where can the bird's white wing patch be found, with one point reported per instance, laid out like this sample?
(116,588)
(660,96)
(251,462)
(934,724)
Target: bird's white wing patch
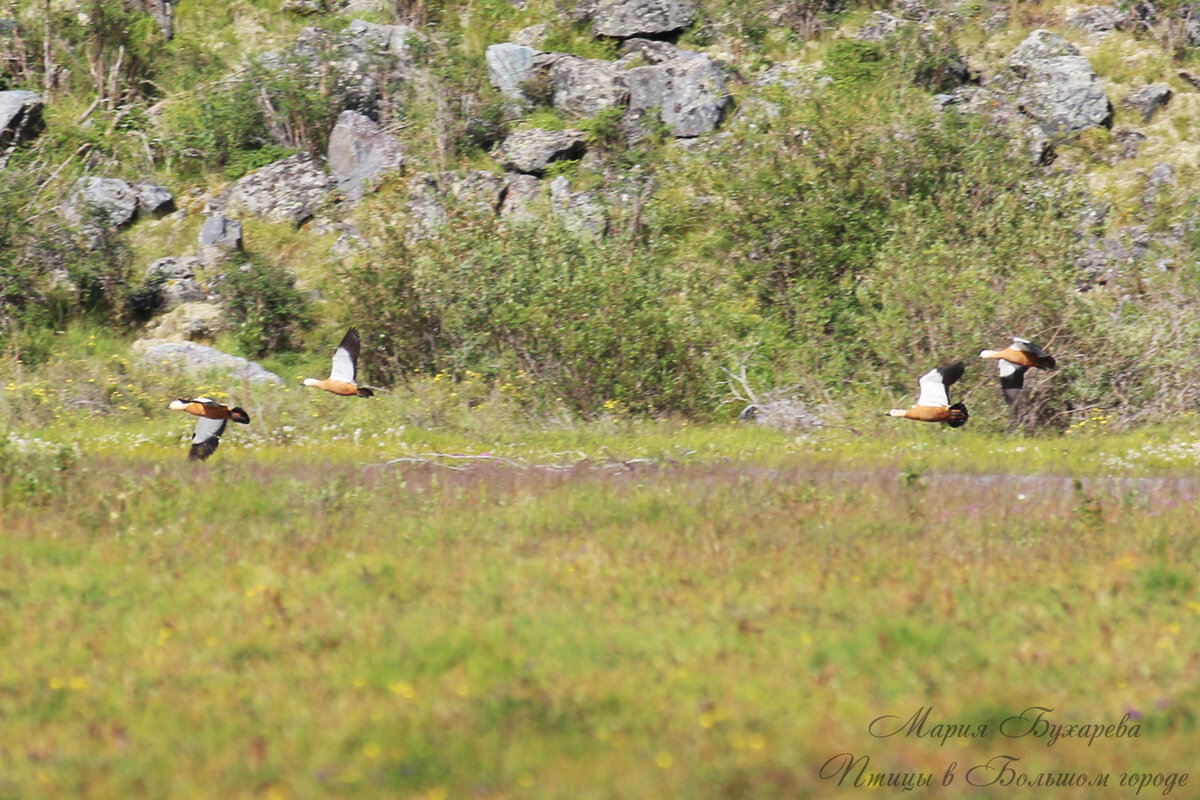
(1018,340)
(933,391)
(208,429)
(1006,367)
(343,366)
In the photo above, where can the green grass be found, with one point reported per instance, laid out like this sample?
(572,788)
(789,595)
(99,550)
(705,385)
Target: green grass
(629,610)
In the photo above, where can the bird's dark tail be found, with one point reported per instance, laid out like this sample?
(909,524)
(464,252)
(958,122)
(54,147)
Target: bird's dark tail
(958,415)
(1047,362)
(238,415)
(365,392)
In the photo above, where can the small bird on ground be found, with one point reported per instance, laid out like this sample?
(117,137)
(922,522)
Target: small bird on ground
(1013,361)
(933,404)
(213,418)
(341,378)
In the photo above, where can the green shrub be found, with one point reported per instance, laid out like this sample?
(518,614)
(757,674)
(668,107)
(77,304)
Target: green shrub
(851,61)
(570,318)
(269,309)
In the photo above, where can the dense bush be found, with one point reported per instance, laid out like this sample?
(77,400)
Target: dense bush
(564,316)
(268,307)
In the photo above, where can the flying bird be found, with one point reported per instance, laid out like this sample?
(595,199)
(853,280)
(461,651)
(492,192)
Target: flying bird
(213,419)
(341,378)
(933,404)
(1013,361)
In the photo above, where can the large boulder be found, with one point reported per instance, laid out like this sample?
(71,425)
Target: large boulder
(112,202)
(189,322)
(201,361)
(100,202)
(1148,100)
(510,66)
(649,51)
(176,280)
(1055,85)
(219,236)
(360,152)
(532,149)
(153,200)
(1099,20)
(1003,114)
(519,191)
(689,92)
(584,86)
(290,190)
(582,212)
(350,67)
(20,117)
(625,18)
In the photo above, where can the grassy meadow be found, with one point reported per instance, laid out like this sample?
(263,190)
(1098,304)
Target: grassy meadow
(617,609)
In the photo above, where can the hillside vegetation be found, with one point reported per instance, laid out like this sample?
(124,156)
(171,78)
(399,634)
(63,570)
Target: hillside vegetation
(841,229)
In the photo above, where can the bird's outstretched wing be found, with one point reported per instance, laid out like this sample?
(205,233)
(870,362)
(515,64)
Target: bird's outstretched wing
(206,438)
(1012,378)
(936,383)
(345,358)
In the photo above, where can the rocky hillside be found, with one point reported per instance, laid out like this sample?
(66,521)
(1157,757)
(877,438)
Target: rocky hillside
(651,204)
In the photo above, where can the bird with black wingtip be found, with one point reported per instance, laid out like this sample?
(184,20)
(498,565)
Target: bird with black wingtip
(213,418)
(933,403)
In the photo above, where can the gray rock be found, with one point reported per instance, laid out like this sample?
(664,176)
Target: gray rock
(625,18)
(153,200)
(583,87)
(367,38)
(360,152)
(348,68)
(1129,142)
(221,233)
(1148,99)
(519,192)
(651,51)
(997,21)
(363,6)
(290,190)
(163,12)
(1003,113)
(189,322)
(532,149)
(578,10)
(783,414)
(425,210)
(200,361)
(476,188)
(879,26)
(1056,86)
(428,196)
(914,10)
(581,212)
(1191,31)
(1099,20)
(172,268)
(20,117)
(1160,180)
(304,7)
(533,36)
(688,91)
(176,280)
(510,66)
(100,202)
